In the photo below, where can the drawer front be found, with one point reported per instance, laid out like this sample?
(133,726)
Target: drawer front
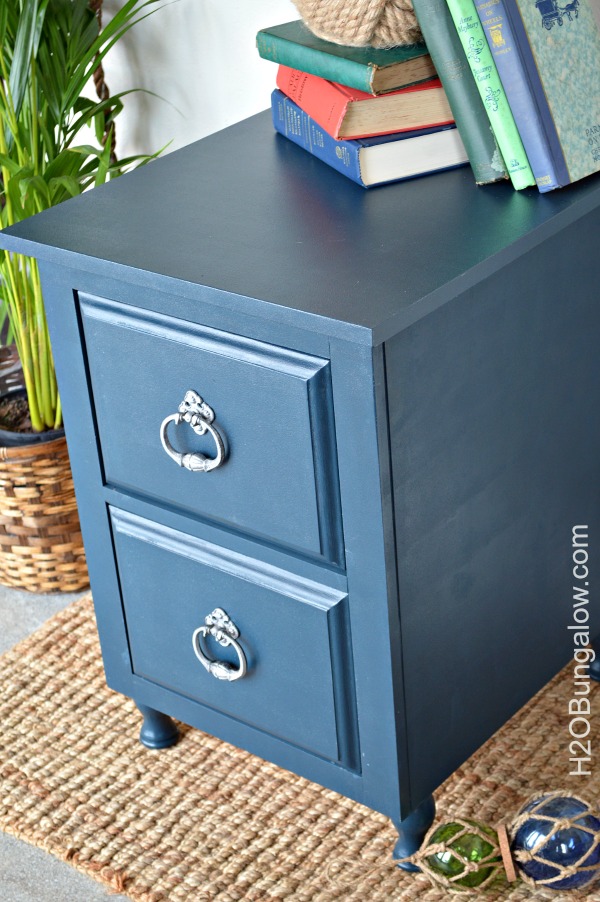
(273,410)
(293,635)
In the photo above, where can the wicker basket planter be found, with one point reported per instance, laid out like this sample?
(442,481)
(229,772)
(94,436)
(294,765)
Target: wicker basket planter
(41,548)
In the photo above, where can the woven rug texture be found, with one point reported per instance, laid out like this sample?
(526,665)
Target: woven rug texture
(205,822)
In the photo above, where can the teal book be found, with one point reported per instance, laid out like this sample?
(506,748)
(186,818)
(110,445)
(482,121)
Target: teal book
(467,106)
(559,45)
(487,80)
(370,69)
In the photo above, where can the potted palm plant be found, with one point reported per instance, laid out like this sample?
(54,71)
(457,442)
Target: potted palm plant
(50,51)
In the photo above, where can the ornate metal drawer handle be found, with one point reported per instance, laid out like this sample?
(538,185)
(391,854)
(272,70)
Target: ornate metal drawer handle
(200,416)
(218,625)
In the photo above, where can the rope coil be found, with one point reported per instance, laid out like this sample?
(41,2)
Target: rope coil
(360,23)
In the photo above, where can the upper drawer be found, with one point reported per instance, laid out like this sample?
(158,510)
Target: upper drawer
(272,408)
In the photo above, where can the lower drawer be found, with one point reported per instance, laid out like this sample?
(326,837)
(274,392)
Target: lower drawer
(282,664)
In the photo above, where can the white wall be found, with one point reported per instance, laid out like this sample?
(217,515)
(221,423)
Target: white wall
(201,57)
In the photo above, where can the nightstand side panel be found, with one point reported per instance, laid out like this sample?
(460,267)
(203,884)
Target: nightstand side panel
(495,442)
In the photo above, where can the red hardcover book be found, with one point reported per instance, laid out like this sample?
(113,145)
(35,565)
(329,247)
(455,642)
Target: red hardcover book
(349,113)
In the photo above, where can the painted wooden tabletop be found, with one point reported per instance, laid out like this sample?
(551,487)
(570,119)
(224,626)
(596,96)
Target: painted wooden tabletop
(246,212)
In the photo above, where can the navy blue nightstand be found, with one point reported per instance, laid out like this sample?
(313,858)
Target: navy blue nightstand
(329,446)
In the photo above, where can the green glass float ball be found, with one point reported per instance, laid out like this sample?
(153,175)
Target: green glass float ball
(469,846)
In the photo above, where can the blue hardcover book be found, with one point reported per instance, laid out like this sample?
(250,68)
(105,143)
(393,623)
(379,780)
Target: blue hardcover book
(559,46)
(500,38)
(371,161)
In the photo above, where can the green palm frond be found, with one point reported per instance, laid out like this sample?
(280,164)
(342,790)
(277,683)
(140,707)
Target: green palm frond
(49,51)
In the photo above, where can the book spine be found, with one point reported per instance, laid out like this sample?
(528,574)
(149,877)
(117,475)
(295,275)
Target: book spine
(319,98)
(296,125)
(536,88)
(487,80)
(467,106)
(316,62)
(509,63)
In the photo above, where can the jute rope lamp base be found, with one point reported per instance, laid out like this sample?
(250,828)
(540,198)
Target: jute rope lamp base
(359,23)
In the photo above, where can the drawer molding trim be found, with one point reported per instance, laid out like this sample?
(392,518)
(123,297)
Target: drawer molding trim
(226,344)
(220,558)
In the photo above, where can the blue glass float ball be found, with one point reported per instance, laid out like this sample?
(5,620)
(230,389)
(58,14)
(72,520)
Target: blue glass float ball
(564,846)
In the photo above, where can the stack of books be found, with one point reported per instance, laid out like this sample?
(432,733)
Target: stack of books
(520,80)
(377,116)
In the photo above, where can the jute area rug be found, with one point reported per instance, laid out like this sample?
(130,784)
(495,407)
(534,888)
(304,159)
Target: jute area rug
(204,821)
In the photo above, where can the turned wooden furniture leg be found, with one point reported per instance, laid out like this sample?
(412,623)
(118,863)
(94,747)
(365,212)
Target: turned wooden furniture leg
(158,730)
(595,665)
(411,832)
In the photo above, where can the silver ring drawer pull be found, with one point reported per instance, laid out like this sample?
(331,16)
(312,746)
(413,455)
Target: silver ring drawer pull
(220,627)
(195,411)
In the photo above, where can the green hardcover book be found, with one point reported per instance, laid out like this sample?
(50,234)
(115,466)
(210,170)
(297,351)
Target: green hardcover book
(487,80)
(369,69)
(467,106)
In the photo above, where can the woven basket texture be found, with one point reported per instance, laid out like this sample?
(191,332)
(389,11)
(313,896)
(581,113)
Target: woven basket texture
(205,822)
(360,23)
(41,548)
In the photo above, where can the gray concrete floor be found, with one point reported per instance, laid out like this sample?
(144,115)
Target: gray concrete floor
(27,874)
